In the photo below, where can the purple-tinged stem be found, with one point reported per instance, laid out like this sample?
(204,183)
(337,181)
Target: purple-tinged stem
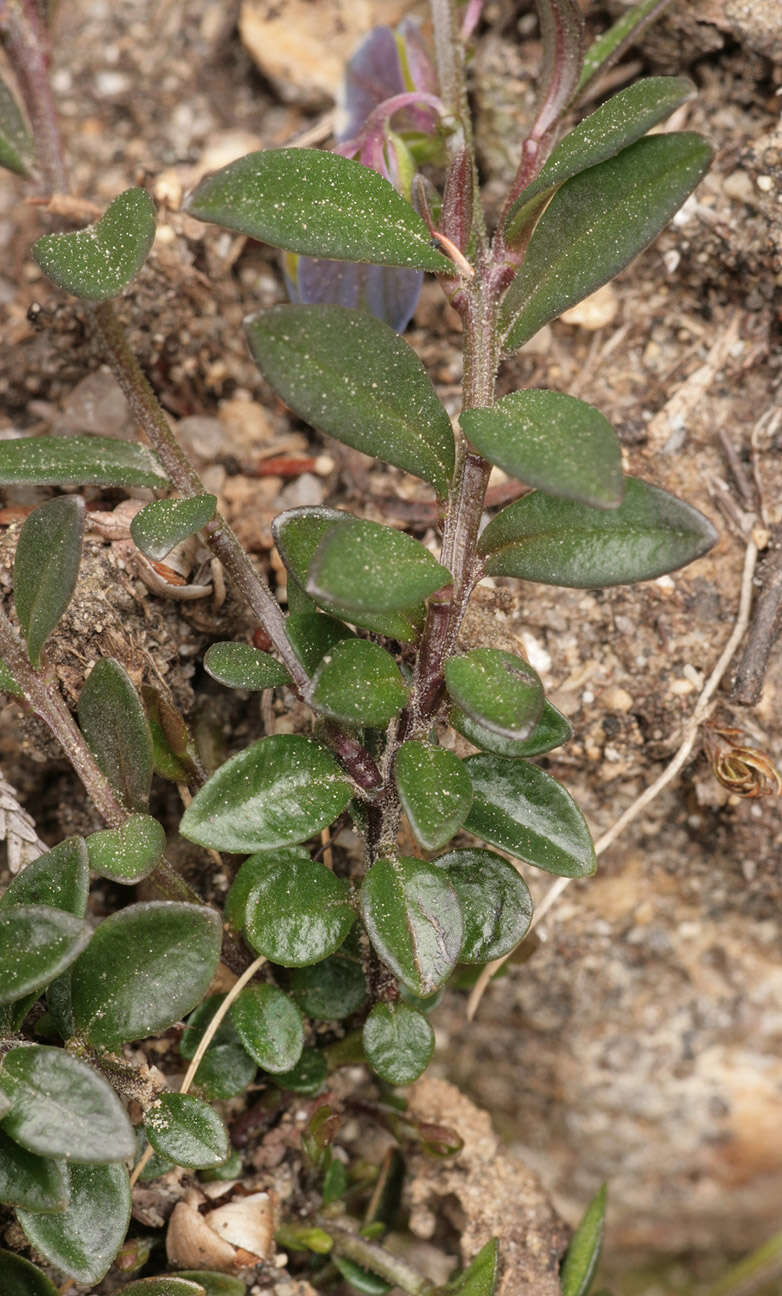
(27,45)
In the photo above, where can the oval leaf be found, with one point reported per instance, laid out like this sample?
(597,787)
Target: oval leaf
(37,943)
(539,538)
(435,791)
(164,523)
(59,879)
(523,810)
(414,921)
(321,204)
(358,683)
(78,461)
(331,990)
(496,903)
(113,722)
(398,1042)
(16,144)
(313,635)
(480,1276)
(270,1027)
(169,1286)
(214,1284)
(307,1077)
(145,967)
(277,792)
(499,690)
(83,1239)
(367,567)
(583,1254)
(352,376)
(248,874)
(553,441)
(552,730)
(128,853)
(239,665)
(31,1182)
(186,1130)
(99,261)
(596,223)
(360,1280)
(46,564)
(298,912)
(226,1070)
(20,1278)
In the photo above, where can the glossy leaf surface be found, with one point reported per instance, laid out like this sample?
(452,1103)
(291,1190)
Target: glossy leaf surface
(113,722)
(495,901)
(83,1239)
(321,204)
(63,1108)
(164,523)
(551,731)
(480,1276)
(186,1130)
(98,262)
(128,853)
(414,921)
(226,1069)
(249,871)
(398,1042)
(367,567)
(307,1077)
(358,683)
(46,565)
(239,665)
(146,966)
(498,689)
(37,943)
(558,542)
(350,375)
(521,809)
(435,791)
(331,990)
(270,1027)
(297,912)
(31,1182)
(277,792)
(596,223)
(313,634)
(552,441)
(59,879)
(78,461)
(20,1278)
(16,144)
(583,1254)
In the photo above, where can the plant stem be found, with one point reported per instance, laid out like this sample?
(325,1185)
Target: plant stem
(28,50)
(375,1258)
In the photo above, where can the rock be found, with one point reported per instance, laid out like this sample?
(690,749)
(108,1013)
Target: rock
(595,311)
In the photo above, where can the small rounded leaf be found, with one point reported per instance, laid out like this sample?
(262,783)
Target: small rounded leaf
(551,731)
(331,990)
(37,943)
(239,665)
(186,1130)
(398,1042)
(313,634)
(414,921)
(496,903)
(435,791)
(83,1239)
(364,566)
(270,1027)
(165,523)
(128,853)
(31,1182)
(20,1278)
(59,879)
(249,872)
(307,1077)
(498,689)
(214,1284)
(98,262)
(77,461)
(46,564)
(358,683)
(298,912)
(113,722)
(226,1069)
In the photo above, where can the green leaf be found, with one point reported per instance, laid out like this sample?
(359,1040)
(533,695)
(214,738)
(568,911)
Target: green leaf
(398,1042)
(496,904)
(498,689)
(596,223)
(330,990)
(480,1276)
(313,635)
(128,853)
(83,1239)
(7,682)
(239,665)
(523,810)
(414,921)
(435,791)
(360,1280)
(583,1254)
(146,966)
(113,722)
(214,1284)
(277,792)
(307,1077)
(615,40)
(171,742)
(99,261)
(229,1169)
(552,730)
(169,1286)
(350,375)
(62,1108)
(540,538)
(186,1130)
(553,441)
(16,144)
(367,567)
(270,1027)
(226,1069)
(59,879)
(562,35)
(358,683)
(37,943)
(31,1182)
(165,523)
(254,866)
(46,564)
(298,912)
(319,204)
(20,1278)
(78,461)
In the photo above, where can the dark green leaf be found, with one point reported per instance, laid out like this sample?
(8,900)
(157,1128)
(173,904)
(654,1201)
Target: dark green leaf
(596,223)
(165,523)
(156,1166)
(414,921)
(583,1254)
(307,1077)
(171,742)
(254,867)
(239,665)
(37,943)
(551,731)
(77,461)
(62,1108)
(358,683)
(83,1239)
(186,1130)
(46,564)
(226,1069)
(367,567)
(435,791)
(31,1182)
(335,1182)
(553,441)
(615,40)
(169,1286)
(7,682)
(480,1276)
(540,538)
(331,990)
(313,635)
(59,879)
(99,261)
(20,1278)
(227,1170)
(498,689)
(113,722)
(16,144)
(398,1042)
(277,792)
(146,966)
(270,1027)
(352,376)
(319,204)
(58,1002)
(197,1024)
(496,904)
(128,853)
(297,912)
(360,1280)
(215,1284)
(521,809)
(562,34)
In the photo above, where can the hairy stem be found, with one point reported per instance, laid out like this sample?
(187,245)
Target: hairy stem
(375,1258)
